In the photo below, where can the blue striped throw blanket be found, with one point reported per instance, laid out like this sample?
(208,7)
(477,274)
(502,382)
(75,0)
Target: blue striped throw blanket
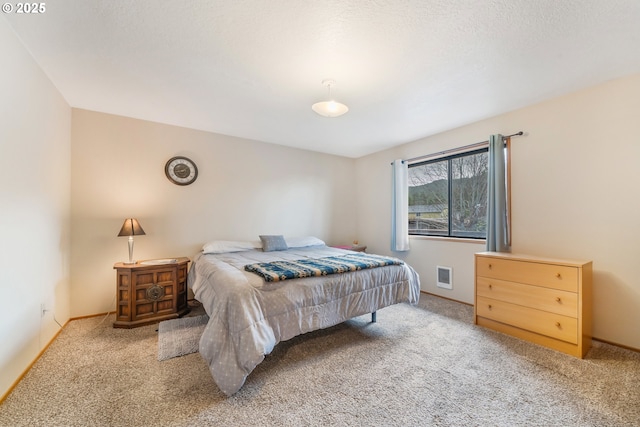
(281,270)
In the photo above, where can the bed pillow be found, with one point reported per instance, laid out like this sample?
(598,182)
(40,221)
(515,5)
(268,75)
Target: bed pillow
(273,243)
(222,246)
(303,242)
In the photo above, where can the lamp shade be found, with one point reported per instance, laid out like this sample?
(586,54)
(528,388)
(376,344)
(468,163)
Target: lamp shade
(131,227)
(330,108)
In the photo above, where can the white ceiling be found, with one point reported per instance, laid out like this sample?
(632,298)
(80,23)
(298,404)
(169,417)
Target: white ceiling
(252,68)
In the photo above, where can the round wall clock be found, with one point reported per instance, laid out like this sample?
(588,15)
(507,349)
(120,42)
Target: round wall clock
(181,170)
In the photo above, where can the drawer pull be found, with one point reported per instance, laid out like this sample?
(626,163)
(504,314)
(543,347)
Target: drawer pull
(558,325)
(490,266)
(558,300)
(490,286)
(559,276)
(490,307)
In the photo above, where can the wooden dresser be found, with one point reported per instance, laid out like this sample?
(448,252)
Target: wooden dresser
(542,300)
(149,293)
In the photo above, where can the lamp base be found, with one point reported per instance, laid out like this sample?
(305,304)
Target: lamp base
(129,262)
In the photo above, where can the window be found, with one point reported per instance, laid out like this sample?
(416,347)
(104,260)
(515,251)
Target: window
(448,196)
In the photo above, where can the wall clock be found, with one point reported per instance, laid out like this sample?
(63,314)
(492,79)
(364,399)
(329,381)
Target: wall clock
(181,170)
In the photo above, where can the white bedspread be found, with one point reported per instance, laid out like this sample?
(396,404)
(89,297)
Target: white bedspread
(249,316)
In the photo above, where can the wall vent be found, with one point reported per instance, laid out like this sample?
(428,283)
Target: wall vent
(444,279)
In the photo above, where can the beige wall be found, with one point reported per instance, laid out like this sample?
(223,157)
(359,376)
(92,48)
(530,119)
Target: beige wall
(575,195)
(35,141)
(244,188)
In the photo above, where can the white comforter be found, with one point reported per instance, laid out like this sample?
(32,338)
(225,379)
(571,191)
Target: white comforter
(248,316)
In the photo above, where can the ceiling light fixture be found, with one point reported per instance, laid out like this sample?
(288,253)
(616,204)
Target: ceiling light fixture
(329,108)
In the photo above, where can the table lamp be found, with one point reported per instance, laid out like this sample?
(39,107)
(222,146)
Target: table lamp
(131,227)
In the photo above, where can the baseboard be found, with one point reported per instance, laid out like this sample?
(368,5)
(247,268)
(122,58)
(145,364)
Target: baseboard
(89,316)
(450,299)
(26,371)
(626,347)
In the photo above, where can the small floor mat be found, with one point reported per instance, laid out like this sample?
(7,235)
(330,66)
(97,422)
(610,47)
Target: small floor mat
(178,337)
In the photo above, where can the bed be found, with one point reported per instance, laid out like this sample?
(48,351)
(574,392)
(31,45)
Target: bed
(249,315)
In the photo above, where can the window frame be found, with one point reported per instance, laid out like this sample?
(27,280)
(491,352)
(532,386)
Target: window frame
(449,158)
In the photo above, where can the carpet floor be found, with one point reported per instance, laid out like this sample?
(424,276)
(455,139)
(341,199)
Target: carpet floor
(424,365)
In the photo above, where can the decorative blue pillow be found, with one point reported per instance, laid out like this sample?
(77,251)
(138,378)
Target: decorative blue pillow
(273,243)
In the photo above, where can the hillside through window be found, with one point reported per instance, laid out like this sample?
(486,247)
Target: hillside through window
(448,196)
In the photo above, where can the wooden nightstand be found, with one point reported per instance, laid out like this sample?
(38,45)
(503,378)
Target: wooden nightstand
(149,292)
(355,247)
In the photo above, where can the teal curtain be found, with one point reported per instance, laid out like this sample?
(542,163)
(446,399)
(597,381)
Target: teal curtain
(400,207)
(497,215)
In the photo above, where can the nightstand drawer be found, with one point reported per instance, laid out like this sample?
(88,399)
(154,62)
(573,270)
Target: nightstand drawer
(548,275)
(550,324)
(551,300)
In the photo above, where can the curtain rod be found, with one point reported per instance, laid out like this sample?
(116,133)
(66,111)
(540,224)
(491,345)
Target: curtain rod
(453,150)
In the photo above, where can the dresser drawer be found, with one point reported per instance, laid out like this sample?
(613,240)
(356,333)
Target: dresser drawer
(548,275)
(547,299)
(542,322)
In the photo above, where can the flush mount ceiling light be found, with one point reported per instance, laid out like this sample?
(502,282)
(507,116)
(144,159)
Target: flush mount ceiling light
(329,108)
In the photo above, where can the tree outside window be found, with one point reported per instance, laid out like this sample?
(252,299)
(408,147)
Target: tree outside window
(448,196)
